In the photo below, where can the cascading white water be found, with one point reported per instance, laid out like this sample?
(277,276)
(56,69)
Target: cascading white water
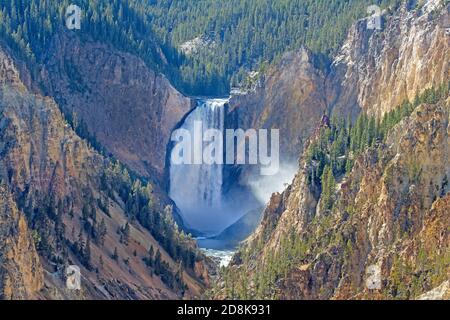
(197,188)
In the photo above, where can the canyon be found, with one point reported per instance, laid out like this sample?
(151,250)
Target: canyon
(87,175)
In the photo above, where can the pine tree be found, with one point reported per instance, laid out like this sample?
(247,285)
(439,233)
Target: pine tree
(100,262)
(80,244)
(115,255)
(87,253)
(126,233)
(328,188)
(102,231)
(158,263)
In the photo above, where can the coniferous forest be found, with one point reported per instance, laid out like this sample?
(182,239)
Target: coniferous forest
(240,35)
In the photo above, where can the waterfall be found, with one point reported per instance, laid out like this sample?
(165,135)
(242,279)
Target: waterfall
(197,188)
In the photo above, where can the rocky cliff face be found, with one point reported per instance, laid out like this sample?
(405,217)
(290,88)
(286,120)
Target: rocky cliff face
(389,219)
(64,188)
(376,70)
(290,97)
(128,108)
(21,273)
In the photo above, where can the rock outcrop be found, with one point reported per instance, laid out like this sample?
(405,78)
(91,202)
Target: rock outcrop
(289,97)
(377,70)
(439,293)
(21,273)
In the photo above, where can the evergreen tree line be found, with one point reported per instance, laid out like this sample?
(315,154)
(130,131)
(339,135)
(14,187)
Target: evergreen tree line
(245,34)
(28,27)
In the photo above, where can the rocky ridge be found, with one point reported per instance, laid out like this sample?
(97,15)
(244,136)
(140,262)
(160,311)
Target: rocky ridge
(63,187)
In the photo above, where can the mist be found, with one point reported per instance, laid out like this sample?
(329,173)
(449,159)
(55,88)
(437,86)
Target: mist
(264,186)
